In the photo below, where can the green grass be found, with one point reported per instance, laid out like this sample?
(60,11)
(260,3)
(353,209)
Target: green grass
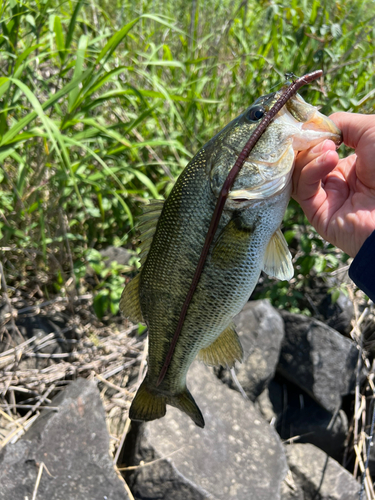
(103,104)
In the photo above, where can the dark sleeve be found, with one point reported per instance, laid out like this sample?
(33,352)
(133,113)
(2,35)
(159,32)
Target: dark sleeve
(362,269)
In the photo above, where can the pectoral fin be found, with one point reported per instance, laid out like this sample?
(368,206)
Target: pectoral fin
(129,304)
(277,259)
(224,351)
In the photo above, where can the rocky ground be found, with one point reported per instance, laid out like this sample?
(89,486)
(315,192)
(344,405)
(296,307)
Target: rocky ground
(302,431)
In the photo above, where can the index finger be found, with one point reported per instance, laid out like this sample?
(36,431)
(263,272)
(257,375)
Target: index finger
(353,126)
(359,134)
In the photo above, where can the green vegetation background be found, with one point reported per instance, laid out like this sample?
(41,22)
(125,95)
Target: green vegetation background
(102,104)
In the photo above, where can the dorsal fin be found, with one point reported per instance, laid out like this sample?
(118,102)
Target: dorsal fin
(277,259)
(129,303)
(148,222)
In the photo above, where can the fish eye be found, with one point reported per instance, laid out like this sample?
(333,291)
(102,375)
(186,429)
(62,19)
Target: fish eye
(255,113)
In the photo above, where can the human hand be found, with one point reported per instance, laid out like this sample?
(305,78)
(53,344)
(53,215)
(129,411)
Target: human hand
(338,195)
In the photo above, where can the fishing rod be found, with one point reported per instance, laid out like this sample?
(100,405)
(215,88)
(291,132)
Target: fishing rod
(288,93)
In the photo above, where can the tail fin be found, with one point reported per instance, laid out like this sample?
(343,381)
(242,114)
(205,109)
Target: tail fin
(151,404)
(185,402)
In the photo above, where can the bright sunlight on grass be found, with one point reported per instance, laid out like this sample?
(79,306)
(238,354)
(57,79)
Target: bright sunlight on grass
(103,104)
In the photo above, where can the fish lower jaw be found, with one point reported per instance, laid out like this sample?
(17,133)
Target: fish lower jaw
(262,192)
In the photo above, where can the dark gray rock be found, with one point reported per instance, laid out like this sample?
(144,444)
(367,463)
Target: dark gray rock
(339,314)
(116,254)
(298,416)
(73,443)
(318,359)
(261,330)
(319,476)
(237,455)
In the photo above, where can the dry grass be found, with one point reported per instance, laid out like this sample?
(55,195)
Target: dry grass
(116,358)
(360,436)
(113,357)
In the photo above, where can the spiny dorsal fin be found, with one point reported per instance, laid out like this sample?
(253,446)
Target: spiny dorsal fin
(129,304)
(277,259)
(224,351)
(148,222)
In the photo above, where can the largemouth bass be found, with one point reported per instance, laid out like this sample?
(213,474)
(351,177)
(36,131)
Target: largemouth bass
(248,240)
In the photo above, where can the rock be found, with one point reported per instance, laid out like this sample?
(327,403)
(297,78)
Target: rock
(72,443)
(297,415)
(261,330)
(265,406)
(339,314)
(319,476)
(318,359)
(116,254)
(237,455)
(290,489)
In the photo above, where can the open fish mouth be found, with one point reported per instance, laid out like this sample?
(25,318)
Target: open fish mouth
(304,127)
(263,191)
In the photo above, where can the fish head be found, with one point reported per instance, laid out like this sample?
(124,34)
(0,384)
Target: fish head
(268,169)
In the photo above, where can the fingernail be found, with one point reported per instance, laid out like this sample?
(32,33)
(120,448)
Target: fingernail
(318,147)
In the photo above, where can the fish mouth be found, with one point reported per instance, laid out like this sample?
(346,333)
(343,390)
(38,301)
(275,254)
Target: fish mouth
(307,127)
(313,126)
(263,191)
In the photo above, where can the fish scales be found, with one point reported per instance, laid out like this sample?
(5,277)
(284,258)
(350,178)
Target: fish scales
(248,240)
(225,282)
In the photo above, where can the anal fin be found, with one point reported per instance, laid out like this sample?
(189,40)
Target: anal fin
(129,304)
(224,351)
(277,258)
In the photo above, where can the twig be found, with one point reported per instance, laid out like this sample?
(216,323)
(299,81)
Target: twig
(28,406)
(122,440)
(3,285)
(119,475)
(40,402)
(37,307)
(21,430)
(143,464)
(39,477)
(369,444)
(112,372)
(143,363)
(365,472)
(8,417)
(237,382)
(113,386)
